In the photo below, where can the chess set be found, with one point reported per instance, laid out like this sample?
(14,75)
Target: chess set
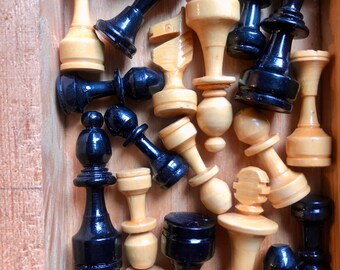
(271,83)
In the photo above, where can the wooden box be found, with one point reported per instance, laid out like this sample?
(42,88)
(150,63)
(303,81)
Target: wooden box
(41,209)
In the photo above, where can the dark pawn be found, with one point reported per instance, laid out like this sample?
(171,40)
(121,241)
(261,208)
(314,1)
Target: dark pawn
(75,93)
(246,41)
(122,29)
(188,239)
(97,245)
(167,168)
(312,212)
(280,257)
(269,84)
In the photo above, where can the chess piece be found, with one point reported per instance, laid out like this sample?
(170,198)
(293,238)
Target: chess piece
(141,245)
(75,93)
(214,193)
(211,20)
(280,257)
(312,212)
(167,168)
(287,187)
(188,239)
(122,29)
(247,229)
(173,57)
(97,245)
(155,267)
(309,145)
(81,49)
(246,41)
(269,83)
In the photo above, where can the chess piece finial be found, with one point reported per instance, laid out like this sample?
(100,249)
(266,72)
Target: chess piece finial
(211,20)
(247,229)
(287,187)
(81,49)
(246,41)
(173,57)
(309,145)
(312,212)
(141,244)
(75,93)
(122,29)
(188,239)
(97,245)
(280,257)
(269,84)
(167,168)
(214,193)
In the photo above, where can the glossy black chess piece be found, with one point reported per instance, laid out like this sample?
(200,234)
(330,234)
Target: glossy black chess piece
(97,245)
(122,29)
(74,93)
(188,239)
(167,167)
(312,212)
(246,41)
(269,84)
(280,257)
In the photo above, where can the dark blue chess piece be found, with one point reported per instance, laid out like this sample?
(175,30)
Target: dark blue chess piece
(246,41)
(74,93)
(97,245)
(188,239)
(280,257)
(122,29)
(167,167)
(269,84)
(312,212)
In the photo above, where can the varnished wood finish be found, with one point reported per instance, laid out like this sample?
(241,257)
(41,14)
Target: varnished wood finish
(42,209)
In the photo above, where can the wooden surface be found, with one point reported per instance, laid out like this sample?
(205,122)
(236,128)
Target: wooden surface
(40,208)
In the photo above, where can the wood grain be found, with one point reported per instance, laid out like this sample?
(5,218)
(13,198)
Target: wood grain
(41,210)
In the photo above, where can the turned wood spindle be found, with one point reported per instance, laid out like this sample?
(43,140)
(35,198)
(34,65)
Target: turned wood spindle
(287,187)
(214,193)
(212,20)
(81,49)
(173,57)
(141,245)
(247,229)
(309,145)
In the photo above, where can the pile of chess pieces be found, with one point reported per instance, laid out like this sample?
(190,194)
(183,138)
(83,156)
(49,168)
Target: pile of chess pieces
(188,239)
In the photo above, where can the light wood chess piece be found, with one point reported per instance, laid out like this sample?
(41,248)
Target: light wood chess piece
(173,57)
(247,229)
(212,20)
(287,187)
(214,193)
(309,145)
(81,49)
(141,245)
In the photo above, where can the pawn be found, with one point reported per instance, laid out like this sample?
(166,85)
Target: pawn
(309,145)
(280,257)
(287,187)
(122,29)
(247,229)
(246,41)
(75,93)
(269,83)
(81,49)
(188,239)
(173,57)
(214,193)
(141,244)
(312,212)
(97,245)
(211,20)
(167,168)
